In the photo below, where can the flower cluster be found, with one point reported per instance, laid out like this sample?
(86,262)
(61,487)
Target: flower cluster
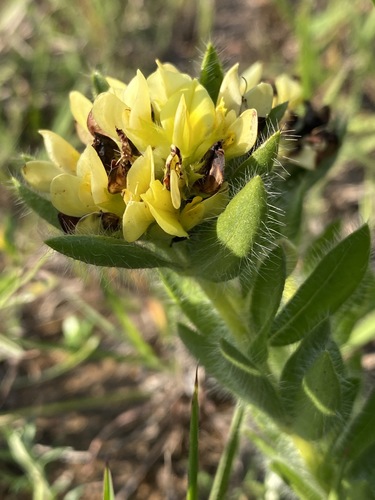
(155,152)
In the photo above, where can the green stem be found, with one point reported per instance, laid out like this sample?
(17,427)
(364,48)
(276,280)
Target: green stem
(225,306)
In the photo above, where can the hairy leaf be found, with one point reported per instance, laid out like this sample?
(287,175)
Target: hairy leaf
(331,283)
(106,251)
(38,204)
(239,225)
(211,74)
(261,161)
(234,372)
(267,291)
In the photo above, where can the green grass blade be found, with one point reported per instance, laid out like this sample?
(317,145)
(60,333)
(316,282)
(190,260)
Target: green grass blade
(110,399)
(131,331)
(221,481)
(108,493)
(192,493)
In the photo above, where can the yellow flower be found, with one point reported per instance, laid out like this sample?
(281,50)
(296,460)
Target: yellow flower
(147,201)
(80,108)
(86,190)
(170,108)
(158,155)
(63,159)
(246,91)
(163,83)
(287,89)
(76,184)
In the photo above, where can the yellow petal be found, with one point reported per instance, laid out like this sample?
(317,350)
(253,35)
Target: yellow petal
(141,173)
(201,109)
(159,202)
(260,98)
(230,90)
(64,196)
(214,205)
(148,134)
(39,174)
(109,113)
(89,224)
(60,151)
(182,130)
(192,214)
(198,210)
(80,108)
(251,77)
(137,218)
(84,191)
(117,87)
(165,82)
(188,118)
(242,134)
(90,162)
(137,98)
(289,90)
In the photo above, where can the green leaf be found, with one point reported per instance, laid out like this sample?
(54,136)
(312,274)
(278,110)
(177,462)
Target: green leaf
(193,303)
(360,474)
(319,401)
(274,117)
(300,483)
(106,251)
(212,73)
(349,326)
(321,385)
(294,190)
(234,372)
(319,247)
(299,362)
(209,258)
(267,291)
(363,332)
(265,300)
(108,493)
(307,411)
(261,161)
(361,434)
(236,358)
(325,290)
(291,254)
(192,493)
(37,203)
(239,225)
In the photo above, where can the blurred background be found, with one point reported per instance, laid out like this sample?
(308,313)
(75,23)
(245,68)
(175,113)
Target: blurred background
(90,369)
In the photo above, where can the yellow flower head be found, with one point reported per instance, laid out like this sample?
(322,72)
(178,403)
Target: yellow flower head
(155,153)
